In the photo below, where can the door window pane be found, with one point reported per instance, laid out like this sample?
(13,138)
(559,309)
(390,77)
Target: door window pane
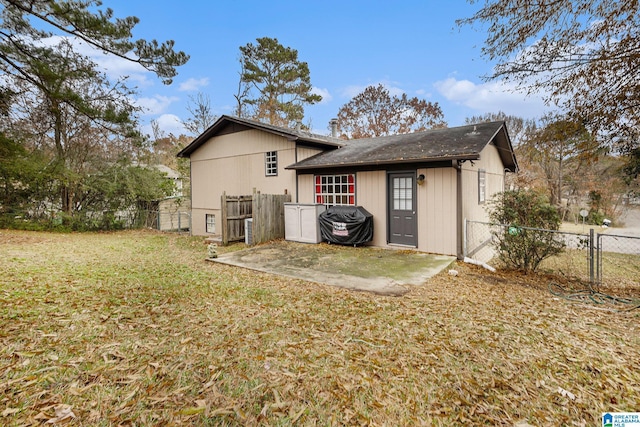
(403,194)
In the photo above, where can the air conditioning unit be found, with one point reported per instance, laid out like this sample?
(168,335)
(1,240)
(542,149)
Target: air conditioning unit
(248,231)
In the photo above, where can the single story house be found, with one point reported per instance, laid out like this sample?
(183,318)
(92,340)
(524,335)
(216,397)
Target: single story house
(420,187)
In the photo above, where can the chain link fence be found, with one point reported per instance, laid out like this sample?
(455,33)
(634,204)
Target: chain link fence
(598,258)
(618,260)
(162,220)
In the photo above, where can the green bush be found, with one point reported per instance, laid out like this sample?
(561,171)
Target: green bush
(595,217)
(17,222)
(62,222)
(526,240)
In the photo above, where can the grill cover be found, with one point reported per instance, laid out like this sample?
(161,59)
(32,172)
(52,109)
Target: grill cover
(346,225)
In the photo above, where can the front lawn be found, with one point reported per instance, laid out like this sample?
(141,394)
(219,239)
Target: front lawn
(135,328)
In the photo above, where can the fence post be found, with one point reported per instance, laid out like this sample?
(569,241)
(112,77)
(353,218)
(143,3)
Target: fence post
(599,260)
(591,257)
(464,238)
(256,213)
(223,219)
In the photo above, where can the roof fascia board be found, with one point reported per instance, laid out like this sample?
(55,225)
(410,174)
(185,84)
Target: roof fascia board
(224,119)
(385,162)
(335,170)
(507,148)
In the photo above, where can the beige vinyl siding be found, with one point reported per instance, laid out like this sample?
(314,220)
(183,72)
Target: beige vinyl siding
(436,206)
(437,211)
(491,163)
(305,189)
(198,221)
(235,163)
(371,190)
(237,176)
(371,194)
(437,200)
(305,153)
(239,144)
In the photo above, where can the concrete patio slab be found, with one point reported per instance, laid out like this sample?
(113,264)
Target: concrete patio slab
(381,271)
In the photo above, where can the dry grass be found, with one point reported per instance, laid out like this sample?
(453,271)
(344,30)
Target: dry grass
(619,270)
(136,329)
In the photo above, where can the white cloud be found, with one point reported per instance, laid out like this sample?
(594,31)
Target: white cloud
(460,91)
(491,97)
(113,66)
(354,90)
(168,124)
(324,93)
(393,90)
(156,105)
(116,68)
(192,85)
(423,93)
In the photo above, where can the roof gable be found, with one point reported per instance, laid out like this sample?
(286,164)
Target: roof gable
(458,143)
(230,124)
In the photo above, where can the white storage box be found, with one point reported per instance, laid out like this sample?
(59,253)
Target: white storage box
(301,222)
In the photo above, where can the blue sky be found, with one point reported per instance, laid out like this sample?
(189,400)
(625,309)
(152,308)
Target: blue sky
(411,47)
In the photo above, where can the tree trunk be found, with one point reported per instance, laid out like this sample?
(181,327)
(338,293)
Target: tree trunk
(66,196)
(560,161)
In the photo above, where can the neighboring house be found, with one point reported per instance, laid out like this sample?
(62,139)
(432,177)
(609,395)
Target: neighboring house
(420,187)
(174,177)
(173,211)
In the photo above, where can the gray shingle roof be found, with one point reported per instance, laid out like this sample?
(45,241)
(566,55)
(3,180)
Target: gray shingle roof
(458,143)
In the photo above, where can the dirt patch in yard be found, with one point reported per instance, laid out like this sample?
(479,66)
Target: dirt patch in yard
(381,271)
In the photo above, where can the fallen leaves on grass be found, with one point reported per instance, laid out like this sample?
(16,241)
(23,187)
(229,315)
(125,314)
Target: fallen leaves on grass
(62,414)
(134,328)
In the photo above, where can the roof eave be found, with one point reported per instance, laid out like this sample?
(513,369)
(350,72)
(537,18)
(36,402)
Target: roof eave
(384,162)
(514,167)
(211,131)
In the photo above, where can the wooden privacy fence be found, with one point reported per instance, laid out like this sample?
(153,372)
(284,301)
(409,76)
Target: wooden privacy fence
(268,216)
(267,211)
(234,210)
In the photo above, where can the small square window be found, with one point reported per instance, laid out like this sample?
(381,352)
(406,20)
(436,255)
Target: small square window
(271,163)
(482,186)
(211,223)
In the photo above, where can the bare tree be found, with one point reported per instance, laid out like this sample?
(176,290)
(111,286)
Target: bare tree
(242,94)
(202,116)
(517,127)
(584,55)
(557,143)
(374,112)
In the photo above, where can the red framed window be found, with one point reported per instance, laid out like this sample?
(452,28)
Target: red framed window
(332,190)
